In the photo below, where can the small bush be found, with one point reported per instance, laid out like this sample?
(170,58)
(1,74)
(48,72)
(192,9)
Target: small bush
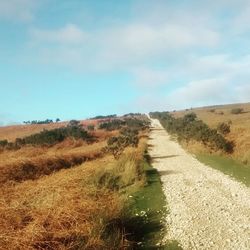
(236,111)
(91,127)
(3,143)
(223,128)
(103,117)
(211,110)
(117,144)
(112,125)
(133,123)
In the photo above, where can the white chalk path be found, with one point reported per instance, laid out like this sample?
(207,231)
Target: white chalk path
(208,210)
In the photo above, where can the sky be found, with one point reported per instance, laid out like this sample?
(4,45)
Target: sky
(80,58)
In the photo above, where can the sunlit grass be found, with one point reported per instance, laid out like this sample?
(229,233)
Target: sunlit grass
(228,166)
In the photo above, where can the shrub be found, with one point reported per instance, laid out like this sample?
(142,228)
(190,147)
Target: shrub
(131,122)
(211,110)
(223,128)
(73,123)
(91,127)
(132,114)
(117,144)
(3,143)
(190,128)
(112,125)
(50,137)
(137,124)
(103,117)
(236,111)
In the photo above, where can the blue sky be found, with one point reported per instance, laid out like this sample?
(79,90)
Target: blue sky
(81,58)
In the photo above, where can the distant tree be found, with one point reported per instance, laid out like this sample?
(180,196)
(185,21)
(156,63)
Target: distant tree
(58,120)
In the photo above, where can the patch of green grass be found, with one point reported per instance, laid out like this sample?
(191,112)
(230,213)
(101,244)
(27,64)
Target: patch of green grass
(228,166)
(148,211)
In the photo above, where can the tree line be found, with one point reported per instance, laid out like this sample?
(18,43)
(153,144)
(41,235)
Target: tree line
(47,121)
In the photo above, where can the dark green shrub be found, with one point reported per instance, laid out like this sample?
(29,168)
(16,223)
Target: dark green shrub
(223,128)
(50,137)
(211,110)
(112,125)
(137,124)
(132,114)
(73,123)
(117,144)
(190,128)
(236,111)
(3,143)
(91,127)
(103,117)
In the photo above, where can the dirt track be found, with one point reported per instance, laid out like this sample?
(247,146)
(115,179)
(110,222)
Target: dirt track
(208,210)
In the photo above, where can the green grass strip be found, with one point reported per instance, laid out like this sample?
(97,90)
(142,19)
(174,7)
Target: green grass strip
(228,166)
(149,209)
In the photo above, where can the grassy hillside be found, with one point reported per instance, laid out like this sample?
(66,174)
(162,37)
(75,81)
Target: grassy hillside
(18,131)
(72,194)
(239,127)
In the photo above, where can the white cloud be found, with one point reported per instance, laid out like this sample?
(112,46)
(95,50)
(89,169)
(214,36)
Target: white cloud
(146,77)
(124,47)
(69,34)
(137,42)
(190,42)
(215,65)
(201,92)
(18,9)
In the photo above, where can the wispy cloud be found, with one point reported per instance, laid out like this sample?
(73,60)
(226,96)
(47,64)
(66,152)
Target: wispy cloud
(22,10)
(150,78)
(68,35)
(201,92)
(175,53)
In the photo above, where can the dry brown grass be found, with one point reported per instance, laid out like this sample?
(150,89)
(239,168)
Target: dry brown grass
(44,208)
(61,211)
(240,129)
(32,162)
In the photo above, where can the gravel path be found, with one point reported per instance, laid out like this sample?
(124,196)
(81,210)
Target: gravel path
(208,210)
